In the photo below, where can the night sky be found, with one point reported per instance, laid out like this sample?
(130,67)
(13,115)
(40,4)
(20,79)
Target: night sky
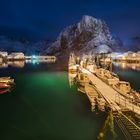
(44,19)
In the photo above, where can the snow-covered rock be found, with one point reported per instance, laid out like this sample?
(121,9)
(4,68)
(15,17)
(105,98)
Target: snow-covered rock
(89,35)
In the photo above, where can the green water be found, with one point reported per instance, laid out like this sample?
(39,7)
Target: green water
(42,106)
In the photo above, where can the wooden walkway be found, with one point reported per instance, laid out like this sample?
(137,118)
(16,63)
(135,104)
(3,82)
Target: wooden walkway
(110,95)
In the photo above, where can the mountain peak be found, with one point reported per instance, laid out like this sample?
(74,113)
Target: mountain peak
(88,19)
(88,23)
(88,35)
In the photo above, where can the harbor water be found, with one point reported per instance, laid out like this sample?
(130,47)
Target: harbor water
(43,106)
(128,74)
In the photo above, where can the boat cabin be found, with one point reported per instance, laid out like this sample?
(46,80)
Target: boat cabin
(124,86)
(83,77)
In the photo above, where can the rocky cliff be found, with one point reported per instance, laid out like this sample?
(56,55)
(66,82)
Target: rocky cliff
(90,35)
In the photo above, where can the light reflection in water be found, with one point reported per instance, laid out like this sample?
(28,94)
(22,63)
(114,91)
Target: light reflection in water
(3,91)
(21,63)
(125,65)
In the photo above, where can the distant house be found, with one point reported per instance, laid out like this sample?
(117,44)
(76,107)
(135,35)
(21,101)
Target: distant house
(3,54)
(1,60)
(16,56)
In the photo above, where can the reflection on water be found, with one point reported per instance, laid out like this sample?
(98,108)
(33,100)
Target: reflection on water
(34,61)
(128,74)
(126,65)
(72,79)
(18,64)
(108,125)
(21,63)
(6,83)
(42,106)
(3,65)
(2,91)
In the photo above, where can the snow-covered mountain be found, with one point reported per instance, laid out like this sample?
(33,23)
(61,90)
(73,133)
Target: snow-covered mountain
(90,35)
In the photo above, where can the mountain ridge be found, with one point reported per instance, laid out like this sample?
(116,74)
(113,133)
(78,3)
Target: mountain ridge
(90,35)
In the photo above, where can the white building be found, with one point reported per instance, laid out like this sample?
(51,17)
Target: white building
(16,56)
(3,54)
(1,60)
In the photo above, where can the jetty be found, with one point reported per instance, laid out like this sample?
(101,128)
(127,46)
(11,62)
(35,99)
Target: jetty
(96,87)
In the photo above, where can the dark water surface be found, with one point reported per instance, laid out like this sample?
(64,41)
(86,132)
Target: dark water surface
(130,75)
(42,106)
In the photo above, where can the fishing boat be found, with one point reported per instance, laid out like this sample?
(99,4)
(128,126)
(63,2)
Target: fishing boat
(5,77)
(92,68)
(6,80)
(82,79)
(125,89)
(4,86)
(107,76)
(73,69)
(101,104)
(106,60)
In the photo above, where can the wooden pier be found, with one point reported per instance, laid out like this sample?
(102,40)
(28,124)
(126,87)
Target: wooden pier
(110,95)
(130,130)
(117,102)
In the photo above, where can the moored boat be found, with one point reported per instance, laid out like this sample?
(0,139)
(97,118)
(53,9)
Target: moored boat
(107,76)
(125,89)
(2,91)
(5,77)
(6,80)
(73,69)
(82,79)
(4,86)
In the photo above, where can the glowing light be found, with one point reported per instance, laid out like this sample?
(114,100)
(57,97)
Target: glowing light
(134,54)
(133,67)
(33,61)
(123,65)
(34,57)
(124,58)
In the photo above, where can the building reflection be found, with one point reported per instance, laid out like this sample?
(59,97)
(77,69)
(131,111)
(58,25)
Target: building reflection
(125,65)
(3,91)
(19,64)
(3,65)
(72,79)
(22,63)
